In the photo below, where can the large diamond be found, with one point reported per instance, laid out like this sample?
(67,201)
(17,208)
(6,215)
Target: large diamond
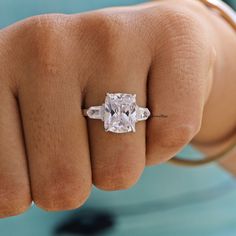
(120,112)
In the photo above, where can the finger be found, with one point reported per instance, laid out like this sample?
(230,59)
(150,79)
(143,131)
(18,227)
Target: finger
(178,88)
(117,159)
(55,129)
(15,195)
(57,145)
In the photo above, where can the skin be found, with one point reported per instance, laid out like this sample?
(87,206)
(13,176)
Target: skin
(177,56)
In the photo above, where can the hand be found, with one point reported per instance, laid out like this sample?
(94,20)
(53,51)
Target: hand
(52,66)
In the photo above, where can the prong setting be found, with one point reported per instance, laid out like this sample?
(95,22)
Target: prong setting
(119,113)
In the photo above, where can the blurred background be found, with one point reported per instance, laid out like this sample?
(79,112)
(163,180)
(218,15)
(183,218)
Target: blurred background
(168,200)
(13,10)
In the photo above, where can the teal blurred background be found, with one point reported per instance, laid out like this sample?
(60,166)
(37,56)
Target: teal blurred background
(182,202)
(13,10)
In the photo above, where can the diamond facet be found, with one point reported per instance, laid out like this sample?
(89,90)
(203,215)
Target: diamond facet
(120,112)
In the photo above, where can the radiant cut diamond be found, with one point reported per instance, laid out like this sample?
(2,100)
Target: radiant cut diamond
(120,112)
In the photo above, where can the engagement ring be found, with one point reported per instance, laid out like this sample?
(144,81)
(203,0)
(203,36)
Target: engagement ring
(119,112)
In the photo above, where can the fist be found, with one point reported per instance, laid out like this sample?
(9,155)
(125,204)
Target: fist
(54,66)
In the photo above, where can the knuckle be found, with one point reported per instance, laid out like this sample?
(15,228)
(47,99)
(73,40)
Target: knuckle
(114,184)
(165,141)
(177,137)
(14,210)
(100,33)
(46,45)
(180,27)
(14,201)
(180,33)
(58,41)
(120,179)
(122,170)
(63,196)
(178,20)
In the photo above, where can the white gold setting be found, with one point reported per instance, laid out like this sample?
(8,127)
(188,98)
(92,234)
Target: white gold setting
(120,112)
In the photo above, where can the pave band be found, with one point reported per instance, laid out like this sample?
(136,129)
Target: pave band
(119,112)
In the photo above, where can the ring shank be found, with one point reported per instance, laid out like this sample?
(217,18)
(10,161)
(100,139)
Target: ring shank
(84,112)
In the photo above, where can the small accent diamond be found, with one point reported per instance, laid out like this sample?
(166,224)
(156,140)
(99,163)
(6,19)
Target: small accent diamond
(96,112)
(142,113)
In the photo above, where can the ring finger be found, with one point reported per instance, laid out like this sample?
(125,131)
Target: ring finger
(117,159)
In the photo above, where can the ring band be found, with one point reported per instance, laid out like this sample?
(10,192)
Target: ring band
(120,112)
